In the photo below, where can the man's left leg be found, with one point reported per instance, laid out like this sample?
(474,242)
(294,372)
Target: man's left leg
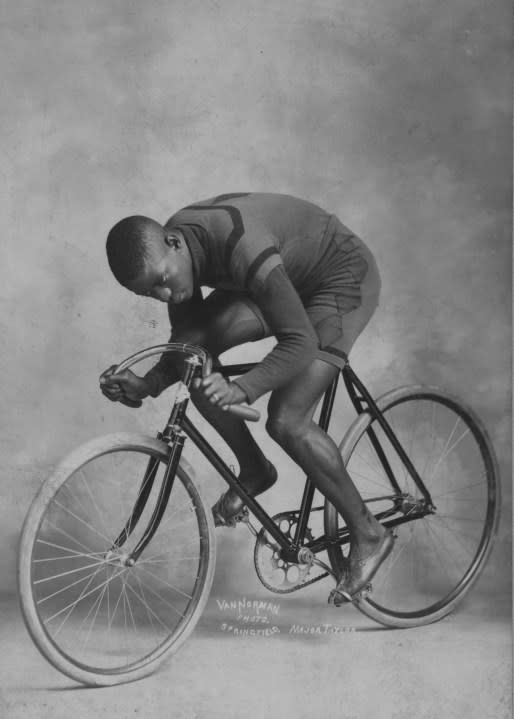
(290,424)
(221,321)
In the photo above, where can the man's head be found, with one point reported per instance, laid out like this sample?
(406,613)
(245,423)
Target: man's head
(150,260)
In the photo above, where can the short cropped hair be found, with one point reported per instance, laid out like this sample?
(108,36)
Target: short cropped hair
(128,247)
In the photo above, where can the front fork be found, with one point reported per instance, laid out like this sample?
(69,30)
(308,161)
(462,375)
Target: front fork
(175,437)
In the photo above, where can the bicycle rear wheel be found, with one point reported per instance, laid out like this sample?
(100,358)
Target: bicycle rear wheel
(94,618)
(437,558)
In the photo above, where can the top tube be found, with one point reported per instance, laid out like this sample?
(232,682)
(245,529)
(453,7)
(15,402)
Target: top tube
(234,369)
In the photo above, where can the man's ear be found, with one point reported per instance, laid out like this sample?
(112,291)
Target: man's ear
(172,240)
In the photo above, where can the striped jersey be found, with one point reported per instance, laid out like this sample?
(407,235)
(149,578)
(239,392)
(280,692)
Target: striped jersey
(279,250)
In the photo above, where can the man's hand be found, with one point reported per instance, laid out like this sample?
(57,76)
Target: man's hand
(220,392)
(126,387)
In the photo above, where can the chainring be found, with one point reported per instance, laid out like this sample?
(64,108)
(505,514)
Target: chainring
(277,574)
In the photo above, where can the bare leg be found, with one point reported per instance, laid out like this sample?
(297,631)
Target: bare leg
(290,423)
(224,321)
(253,465)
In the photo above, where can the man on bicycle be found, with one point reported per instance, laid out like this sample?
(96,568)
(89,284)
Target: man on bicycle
(279,266)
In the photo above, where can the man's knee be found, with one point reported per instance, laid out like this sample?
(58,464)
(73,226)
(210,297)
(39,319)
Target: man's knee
(285,426)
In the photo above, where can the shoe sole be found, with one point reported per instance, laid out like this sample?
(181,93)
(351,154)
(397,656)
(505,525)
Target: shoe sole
(379,557)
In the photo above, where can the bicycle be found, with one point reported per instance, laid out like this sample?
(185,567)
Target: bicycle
(107,598)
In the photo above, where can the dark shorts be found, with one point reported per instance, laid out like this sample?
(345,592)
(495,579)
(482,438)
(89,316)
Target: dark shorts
(341,306)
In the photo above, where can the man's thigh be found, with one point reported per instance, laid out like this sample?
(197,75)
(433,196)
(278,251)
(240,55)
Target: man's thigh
(297,400)
(219,322)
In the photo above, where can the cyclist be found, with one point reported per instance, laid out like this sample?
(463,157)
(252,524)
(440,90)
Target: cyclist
(279,266)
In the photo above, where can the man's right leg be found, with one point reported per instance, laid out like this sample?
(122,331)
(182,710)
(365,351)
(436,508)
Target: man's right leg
(221,322)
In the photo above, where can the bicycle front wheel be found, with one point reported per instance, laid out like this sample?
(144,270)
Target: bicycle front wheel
(437,558)
(96,619)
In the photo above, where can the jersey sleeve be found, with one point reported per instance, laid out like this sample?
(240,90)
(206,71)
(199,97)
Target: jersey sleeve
(297,342)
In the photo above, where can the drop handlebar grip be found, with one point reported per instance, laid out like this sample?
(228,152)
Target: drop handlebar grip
(245,412)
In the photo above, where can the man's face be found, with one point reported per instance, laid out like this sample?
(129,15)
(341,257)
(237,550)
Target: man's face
(168,272)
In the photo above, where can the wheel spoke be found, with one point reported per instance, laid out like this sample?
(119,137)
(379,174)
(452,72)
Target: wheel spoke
(166,601)
(76,601)
(167,561)
(83,521)
(163,581)
(70,552)
(460,489)
(145,603)
(442,553)
(97,603)
(84,590)
(168,629)
(353,472)
(71,537)
(69,586)
(447,449)
(457,535)
(95,504)
(69,571)
(368,464)
(411,443)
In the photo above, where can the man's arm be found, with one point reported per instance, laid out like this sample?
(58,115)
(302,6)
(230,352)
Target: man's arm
(297,341)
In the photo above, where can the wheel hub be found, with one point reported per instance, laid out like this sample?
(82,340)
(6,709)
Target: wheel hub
(410,505)
(116,558)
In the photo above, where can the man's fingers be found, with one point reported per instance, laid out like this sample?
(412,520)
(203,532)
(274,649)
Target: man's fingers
(131,402)
(207,381)
(111,399)
(114,397)
(213,383)
(111,389)
(119,396)
(106,376)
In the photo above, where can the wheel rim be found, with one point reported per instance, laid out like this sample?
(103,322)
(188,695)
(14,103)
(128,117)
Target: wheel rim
(98,613)
(435,558)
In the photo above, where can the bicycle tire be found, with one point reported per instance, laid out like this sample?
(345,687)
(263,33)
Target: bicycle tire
(67,488)
(405,608)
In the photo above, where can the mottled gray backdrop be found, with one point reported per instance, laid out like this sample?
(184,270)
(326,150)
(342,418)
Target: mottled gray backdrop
(393,114)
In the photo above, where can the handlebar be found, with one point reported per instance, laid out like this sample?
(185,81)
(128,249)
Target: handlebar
(204,358)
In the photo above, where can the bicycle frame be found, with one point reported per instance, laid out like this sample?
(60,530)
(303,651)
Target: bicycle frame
(363,402)
(179,426)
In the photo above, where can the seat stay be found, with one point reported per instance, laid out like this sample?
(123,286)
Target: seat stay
(353,384)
